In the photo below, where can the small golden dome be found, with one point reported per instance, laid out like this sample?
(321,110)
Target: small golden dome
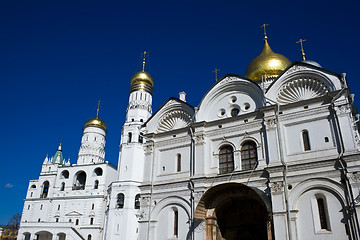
(142,77)
(267,64)
(95,122)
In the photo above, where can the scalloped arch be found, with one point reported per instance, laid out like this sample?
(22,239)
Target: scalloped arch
(174,120)
(301,89)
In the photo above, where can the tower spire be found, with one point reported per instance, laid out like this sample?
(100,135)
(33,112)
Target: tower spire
(97,110)
(144,62)
(302,48)
(264,26)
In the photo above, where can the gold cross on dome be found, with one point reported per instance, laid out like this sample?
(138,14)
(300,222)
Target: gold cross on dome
(302,48)
(264,26)
(143,69)
(97,110)
(216,71)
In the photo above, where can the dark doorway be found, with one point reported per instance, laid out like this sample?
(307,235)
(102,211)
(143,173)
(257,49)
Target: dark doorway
(242,218)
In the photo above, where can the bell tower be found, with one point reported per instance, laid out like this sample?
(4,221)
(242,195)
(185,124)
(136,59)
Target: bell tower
(138,111)
(125,192)
(93,141)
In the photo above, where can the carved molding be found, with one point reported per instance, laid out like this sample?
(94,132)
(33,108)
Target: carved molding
(295,69)
(199,139)
(174,120)
(301,89)
(343,109)
(270,122)
(148,148)
(277,188)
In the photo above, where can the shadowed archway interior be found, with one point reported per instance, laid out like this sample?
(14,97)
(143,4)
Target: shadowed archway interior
(234,211)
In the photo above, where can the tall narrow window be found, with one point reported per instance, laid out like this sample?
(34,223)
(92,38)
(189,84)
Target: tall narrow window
(45,190)
(248,155)
(178,162)
(137,201)
(306,142)
(120,200)
(129,137)
(176,223)
(226,159)
(92,206)
(96,184)
(77,222)
(141,139)
(89,237)
(62,188)
(324,224)
(91,221)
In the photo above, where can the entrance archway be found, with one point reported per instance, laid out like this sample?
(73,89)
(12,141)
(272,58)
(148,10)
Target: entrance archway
(43,235)
(235,211)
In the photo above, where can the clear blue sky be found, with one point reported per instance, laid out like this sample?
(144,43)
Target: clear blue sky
(58,58)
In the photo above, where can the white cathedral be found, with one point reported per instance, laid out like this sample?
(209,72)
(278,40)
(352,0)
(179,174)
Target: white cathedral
(272,155)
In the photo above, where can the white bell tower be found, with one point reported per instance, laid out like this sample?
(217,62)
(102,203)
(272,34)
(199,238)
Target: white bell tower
(124,205)
(131,159)
(93,141)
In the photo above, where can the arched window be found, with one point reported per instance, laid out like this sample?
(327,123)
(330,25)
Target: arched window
(45,190)
(96,184)
(176,223)
(306,141)
(178,162)
(234,112)
(141,139)
(89,237)
(248,155)
(62,188)
(137,201)
(64,174)
(226,159)
(91,221)
(80,181)
(33,186)
(27,236)
(98,172)
(120,200)
(77,222)
(129,137)
(323,212)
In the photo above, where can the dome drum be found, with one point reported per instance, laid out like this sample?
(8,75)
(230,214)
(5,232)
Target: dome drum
(141,86)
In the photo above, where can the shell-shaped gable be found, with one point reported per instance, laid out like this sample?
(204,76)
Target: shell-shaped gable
(174,114)
(303,81)
(231,96)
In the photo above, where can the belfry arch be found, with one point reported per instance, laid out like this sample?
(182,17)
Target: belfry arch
(234,211)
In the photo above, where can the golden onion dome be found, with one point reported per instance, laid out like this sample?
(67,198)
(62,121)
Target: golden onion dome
(142,77)
(142,81)
(267,64)
(95,122)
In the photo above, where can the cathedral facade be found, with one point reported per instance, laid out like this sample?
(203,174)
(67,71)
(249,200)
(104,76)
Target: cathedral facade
(272,155)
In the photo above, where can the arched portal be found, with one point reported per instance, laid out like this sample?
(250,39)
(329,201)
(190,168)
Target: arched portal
(234,211)
(43,235)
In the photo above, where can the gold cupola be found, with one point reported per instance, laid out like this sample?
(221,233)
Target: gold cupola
(267,64)
(96,121)
(142,81)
